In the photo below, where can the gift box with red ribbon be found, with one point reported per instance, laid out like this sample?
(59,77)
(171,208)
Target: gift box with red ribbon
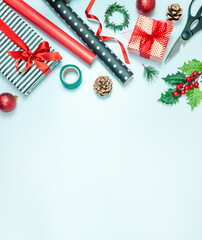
(150,38)
(25,59)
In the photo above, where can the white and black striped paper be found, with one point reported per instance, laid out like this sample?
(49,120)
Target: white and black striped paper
(25,82)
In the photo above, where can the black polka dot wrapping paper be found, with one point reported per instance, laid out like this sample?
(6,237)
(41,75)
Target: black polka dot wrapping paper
(91,39)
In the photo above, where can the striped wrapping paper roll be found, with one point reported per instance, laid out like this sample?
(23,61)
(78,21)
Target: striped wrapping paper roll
(91,39)
(26,81)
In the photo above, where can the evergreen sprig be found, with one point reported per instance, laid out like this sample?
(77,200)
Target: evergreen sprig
(109,13)
(149,73)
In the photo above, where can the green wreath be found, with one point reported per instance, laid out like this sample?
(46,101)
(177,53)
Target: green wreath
(109,12)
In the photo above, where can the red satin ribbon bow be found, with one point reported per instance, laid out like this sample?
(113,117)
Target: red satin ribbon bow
(159,30)
(104,38)
(41,54)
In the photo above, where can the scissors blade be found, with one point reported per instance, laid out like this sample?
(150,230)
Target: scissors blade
(175,49)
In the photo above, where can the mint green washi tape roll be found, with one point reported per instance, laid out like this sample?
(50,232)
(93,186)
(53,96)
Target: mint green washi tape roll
(67,69)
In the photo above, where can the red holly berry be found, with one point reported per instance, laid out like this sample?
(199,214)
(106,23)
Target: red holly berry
(191,86)
(195,74)
(196,84)
(117,5)
(186,88)
(127,23)
(183,92)
(7,102)
(188,79)
(192,78)
(181,86)
(178,86)
(175,94)
(106,11)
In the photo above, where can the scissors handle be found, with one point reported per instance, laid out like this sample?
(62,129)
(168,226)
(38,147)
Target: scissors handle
(188,32)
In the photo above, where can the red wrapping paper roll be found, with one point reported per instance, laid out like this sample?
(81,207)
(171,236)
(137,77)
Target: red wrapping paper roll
(51,29)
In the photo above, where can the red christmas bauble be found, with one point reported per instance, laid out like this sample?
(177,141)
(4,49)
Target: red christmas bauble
(145,7)
(7,102)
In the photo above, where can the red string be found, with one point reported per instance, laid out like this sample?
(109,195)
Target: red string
(104,38)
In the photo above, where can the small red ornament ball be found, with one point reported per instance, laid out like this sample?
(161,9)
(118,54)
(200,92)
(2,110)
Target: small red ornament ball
(196,84)
(183,92)
(175,94)
(145,7)
(195,74)
(186,88)
(7,102)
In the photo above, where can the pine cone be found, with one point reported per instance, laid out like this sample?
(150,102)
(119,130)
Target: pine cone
(174,12)
(103,86)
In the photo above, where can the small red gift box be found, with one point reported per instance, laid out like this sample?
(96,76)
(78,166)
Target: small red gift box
(150,38)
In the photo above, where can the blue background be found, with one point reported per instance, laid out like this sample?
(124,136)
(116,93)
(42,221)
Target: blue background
(77,167)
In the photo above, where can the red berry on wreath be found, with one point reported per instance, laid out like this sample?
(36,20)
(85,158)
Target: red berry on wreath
(181,86)
(186,88)
(195,74)
(7,102)
(110,11)
(196,84)
(183,92)
(192,78)
(188,79)
(191,86)
(175,94)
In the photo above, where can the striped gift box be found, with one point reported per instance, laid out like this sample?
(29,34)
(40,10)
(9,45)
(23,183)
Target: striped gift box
(28,80)
(158,48)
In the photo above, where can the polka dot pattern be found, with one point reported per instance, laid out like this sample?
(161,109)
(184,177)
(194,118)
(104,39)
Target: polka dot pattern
(91,39)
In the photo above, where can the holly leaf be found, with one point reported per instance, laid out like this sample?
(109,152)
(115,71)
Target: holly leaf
(175,79)
(191,66)
(168,97)
(194,97)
